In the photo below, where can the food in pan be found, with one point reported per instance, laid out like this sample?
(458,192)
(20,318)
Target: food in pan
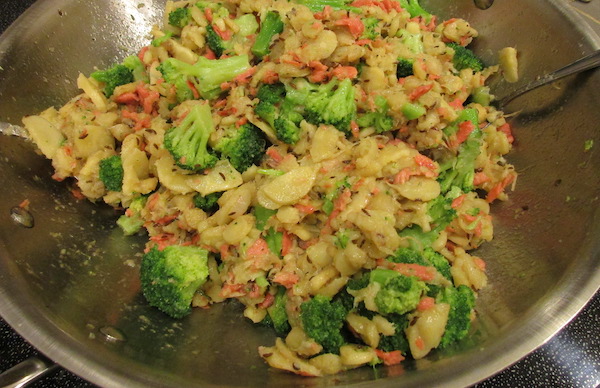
(328,164)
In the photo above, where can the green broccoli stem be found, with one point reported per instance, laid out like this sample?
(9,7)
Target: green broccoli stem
(381,275)
(412,110)
(270,26)
(278,313)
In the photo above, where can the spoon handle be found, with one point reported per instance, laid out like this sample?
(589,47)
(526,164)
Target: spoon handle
(587,62)
(13,130)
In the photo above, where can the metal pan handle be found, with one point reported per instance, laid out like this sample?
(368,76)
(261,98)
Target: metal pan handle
(26,372)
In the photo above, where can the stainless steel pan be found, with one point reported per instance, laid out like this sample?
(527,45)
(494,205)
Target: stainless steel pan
(69,284)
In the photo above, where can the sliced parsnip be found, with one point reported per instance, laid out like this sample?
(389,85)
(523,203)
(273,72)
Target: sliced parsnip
(427,331)
(182,53)
(92,90)
(219,178)
(356,355)
(419,189)
(509,64)
(287,188)
(324,144)
(93,138)
(44,134)
(168,175)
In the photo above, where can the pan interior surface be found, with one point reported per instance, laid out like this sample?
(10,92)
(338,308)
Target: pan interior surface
(70,286)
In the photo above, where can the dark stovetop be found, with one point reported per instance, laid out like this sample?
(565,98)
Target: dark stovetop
(569,359)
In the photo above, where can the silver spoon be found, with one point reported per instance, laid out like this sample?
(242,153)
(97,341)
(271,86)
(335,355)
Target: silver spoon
(483,4)
(588,62)
(13,130)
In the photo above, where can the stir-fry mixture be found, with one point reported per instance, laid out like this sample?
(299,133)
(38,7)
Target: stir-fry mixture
(328,164)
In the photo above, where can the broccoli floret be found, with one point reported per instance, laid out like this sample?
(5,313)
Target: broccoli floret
(115,76)
(270,26)
(279,112)
(459,170)
(267,111)
(243,146)
(138,71)
(358,283)
(441,214)
(285,107)
(332,103)
(278,313)
(428,257)
(404,68)
(433,290)
(173,75)
(396,341)
(271,93)
(438,261)
(215,42)
(408,256)
(206,75)
(462,301)
(415,10)
(160,40)
(299,90)
(287,130)
(318,5)
(370,31)
(188,142)
(208,203)
(179,17)
(287,125)
(323,320)
(464,58)
(345,299)
(111,172)
(378,118)
(440,209)
(398,294)
(170,277)
(131,222)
